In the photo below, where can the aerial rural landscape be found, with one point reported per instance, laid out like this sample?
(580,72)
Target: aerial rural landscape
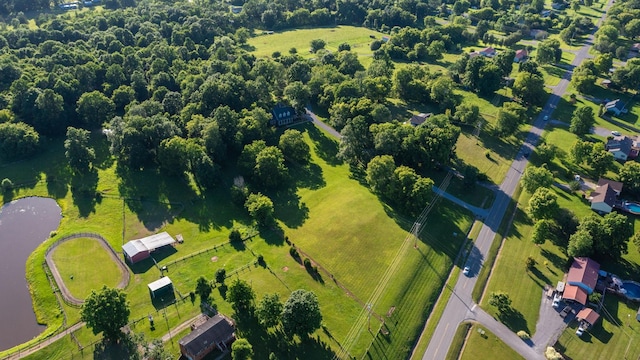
(266,179)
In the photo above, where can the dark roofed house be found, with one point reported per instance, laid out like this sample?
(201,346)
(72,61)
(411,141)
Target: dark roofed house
(583,273)
(615,185)
(603,199)
(621,147)
(282,115)
(419,119)
(216,333)
(488,52)
(615,107)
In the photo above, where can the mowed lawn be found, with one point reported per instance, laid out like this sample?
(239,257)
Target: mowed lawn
(357,37)
(356,237)
(85,265)
(482,344)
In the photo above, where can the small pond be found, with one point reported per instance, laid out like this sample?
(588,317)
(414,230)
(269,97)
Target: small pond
(24,224)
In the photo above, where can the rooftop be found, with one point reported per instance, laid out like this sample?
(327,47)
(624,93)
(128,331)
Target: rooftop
(584,270)
(589,315)
(575,293)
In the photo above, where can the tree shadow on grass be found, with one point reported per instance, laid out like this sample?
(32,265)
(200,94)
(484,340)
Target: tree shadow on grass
(58,179)
(288,208)
(308,176)
(276,341)
(273,235)
(514,320)
(123,349)
(325,147)
(83,192)
(100,144)
(554,259)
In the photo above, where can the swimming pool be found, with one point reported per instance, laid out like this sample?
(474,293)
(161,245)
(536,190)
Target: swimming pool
(633,208)
(632,289)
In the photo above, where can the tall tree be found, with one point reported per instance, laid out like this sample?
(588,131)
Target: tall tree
(260,207)
(582,120)
(301,313)
(106,311)
(95,109)
(536,177)
(203,288)
(241,350)
(269,310)
(500,300)
(18,140)
(241,295)
(543,204)
(630,176)
(77,150)
(294,147)
(529,88)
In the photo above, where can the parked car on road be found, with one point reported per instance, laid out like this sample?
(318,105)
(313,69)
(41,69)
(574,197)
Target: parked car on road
(556,300)
(565,311)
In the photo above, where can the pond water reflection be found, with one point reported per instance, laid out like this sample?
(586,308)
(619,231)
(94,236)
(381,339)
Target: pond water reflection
(24,224)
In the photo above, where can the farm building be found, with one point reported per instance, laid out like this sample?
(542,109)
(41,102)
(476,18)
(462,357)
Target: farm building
(216,333)
(160,287)
(140,249)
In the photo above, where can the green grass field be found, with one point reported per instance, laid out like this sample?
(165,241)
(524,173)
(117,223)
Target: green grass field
(85,265)
(486,343)
(300,39)
(331,216)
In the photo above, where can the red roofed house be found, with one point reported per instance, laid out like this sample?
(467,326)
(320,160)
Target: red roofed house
(575,293)
(583,273)
(521,56)
(587,317)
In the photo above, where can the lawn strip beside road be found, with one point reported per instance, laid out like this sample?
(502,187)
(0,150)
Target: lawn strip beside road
(479,340)
(458,342)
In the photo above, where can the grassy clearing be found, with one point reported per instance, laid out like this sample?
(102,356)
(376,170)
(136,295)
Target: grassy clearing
(76,261)
(357,37)
(486,343)
(331,216)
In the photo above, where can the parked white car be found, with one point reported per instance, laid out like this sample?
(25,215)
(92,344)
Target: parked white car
(556,300)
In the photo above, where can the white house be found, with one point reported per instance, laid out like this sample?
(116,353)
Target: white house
(621,147)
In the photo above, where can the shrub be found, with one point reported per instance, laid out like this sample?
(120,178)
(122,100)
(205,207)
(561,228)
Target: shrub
(523,335)
(221,274)
(53,234)
(552,354)
(375,45)
(294,253)
(574,185)
(261,261)
(307,263)
(487,154)
(595,297)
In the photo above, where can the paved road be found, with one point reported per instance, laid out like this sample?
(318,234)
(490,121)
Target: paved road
(317,122)
(459,306)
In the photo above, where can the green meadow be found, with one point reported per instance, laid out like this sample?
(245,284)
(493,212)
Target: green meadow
(329,214)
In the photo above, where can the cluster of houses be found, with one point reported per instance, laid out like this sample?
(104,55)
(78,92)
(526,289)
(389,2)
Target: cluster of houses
(581,281)
(521,55)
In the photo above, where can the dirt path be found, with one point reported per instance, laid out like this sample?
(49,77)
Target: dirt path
(64,291)
(24,353)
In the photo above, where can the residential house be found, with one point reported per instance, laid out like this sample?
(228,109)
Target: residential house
(418,119)
(216,333)
(587,317)
(581,280)
(487,52)
(622,148)
(521,56)
(282,115)
(615,107)
(605,197)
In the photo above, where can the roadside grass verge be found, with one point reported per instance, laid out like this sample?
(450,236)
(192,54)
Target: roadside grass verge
(84,265)
(488,264)
(441,303)
(458,341)
(482,341)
